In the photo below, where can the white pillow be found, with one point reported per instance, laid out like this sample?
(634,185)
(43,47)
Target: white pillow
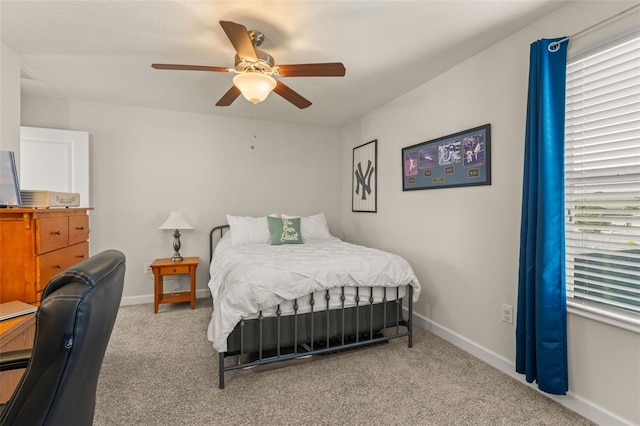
(248,230)
(312,227)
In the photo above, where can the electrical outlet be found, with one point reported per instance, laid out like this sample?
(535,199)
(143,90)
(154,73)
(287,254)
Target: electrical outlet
(147,268)
(507,313)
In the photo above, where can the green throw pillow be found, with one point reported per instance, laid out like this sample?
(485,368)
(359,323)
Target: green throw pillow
(285,231)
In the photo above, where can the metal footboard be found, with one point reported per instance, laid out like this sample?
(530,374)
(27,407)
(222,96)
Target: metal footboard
(349,335)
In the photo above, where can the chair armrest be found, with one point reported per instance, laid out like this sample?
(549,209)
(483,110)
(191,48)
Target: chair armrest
(13,360)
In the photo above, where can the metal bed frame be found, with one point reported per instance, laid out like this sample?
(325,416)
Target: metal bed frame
(283,338)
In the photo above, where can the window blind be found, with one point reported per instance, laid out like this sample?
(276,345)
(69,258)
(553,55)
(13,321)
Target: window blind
(602,181)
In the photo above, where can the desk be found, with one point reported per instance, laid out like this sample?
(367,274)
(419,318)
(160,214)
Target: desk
(15,334)
(162,267)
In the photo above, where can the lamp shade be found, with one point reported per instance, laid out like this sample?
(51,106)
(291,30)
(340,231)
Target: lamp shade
(175,220)
(254,86)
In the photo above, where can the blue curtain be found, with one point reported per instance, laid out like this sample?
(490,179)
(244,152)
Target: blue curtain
(541,331)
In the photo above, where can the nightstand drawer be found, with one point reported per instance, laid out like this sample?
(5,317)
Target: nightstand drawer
(174,270)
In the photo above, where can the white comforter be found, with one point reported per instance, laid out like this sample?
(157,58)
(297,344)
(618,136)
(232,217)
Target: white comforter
(250,278)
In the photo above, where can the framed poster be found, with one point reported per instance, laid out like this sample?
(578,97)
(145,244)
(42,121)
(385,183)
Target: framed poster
(364,177)
(461,159)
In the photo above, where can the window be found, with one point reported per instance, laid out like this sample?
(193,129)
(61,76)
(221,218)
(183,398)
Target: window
(602,184)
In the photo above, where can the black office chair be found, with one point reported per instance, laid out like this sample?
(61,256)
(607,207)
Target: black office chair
(73,325)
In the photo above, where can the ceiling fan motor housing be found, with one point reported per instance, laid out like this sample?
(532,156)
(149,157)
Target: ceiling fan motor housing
(264,64)
(256,37)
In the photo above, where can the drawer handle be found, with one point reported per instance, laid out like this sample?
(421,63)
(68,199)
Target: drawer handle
(80,228)
(81,256)
(56,233)
(58,266)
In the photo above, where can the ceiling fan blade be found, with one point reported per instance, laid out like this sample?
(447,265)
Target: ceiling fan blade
(291,95)
(188,67)
(228,98)
(239,37)
(326,69)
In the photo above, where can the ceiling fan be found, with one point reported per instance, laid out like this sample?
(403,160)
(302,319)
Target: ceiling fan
(255,69)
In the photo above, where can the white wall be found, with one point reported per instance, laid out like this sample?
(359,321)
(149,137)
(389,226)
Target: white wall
(146,162)
(9,100)
(463,242)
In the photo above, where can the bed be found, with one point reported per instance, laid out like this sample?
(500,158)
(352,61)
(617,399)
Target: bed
(284,288)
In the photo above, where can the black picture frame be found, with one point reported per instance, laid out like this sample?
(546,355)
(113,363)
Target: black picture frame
(459,159)
(364,177)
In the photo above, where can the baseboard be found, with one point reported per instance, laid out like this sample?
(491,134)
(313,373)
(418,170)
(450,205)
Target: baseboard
(576,403)
(148,298)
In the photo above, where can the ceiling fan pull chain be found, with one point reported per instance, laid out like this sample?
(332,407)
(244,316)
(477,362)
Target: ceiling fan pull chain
(255,119)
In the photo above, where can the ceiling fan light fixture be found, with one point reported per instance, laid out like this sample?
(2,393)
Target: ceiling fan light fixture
(254,86)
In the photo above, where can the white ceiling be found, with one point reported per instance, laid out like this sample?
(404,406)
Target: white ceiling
(102,50)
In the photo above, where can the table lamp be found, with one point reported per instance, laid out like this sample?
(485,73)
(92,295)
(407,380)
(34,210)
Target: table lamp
(176,221)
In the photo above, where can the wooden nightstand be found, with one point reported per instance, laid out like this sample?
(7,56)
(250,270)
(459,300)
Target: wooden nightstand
(162,267)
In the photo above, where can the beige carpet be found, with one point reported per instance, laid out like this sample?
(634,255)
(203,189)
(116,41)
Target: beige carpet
(161,370)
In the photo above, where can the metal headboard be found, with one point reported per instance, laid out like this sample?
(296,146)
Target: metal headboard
(214,236)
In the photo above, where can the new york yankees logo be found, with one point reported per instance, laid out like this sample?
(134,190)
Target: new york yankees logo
(364,180)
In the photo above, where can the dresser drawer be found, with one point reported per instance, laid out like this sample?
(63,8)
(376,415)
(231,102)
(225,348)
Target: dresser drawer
(51,233)
(49,264)
(78,228)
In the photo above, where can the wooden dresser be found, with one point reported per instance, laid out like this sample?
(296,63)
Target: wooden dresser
(36,244)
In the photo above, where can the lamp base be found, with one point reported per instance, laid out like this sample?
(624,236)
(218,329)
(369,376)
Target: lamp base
(176,247)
